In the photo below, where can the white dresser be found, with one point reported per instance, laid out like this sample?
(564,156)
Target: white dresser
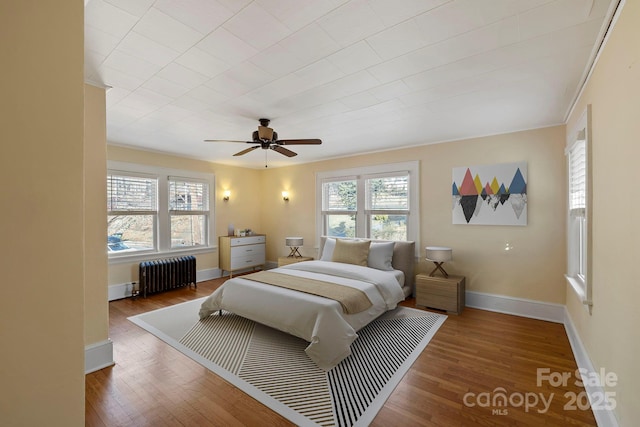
(239,253)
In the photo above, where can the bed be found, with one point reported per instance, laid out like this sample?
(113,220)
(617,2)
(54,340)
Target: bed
(329,325)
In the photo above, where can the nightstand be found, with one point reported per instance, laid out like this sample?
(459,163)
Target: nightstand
(442,293)
(284,260)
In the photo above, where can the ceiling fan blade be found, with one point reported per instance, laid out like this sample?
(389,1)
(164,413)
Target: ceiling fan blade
(283,150)
(228,140)
(248,150)
(299,142)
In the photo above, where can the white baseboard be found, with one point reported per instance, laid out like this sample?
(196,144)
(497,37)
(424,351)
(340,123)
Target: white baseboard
(604,417)
(517,306)
(124,290)
(98,356)
(120,291)
(208,274)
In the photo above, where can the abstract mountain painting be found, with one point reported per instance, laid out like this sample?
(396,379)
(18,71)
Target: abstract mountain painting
(490,194)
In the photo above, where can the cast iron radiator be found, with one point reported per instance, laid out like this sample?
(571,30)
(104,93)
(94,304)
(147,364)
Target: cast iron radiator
(165,274)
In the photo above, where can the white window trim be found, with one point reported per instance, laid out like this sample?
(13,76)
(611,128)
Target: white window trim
(163,243)
(581,286)
(413,167)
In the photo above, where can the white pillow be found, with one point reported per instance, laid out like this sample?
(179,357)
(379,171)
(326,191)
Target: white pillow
(380,255)
(327,251)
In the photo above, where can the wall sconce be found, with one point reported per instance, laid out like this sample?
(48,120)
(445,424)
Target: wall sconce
(226,195)
(285,196)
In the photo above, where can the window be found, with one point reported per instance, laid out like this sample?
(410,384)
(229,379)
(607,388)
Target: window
(387,207)
(340,207)
(578,212)
(375,202)
(188,211)
(132,212)
(577,204)
(154,210)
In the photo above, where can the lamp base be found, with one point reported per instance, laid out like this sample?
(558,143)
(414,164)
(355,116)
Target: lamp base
(438,268)
(295,253)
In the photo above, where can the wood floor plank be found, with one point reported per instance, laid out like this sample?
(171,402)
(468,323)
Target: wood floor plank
(153,384)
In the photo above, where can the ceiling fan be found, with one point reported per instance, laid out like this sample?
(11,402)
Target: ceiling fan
(267,139)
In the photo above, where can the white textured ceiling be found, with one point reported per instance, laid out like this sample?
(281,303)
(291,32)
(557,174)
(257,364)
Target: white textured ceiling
(362,75)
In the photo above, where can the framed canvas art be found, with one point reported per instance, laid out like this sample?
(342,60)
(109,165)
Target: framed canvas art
(490,194)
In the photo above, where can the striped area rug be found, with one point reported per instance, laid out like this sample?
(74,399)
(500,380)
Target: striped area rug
(272,366)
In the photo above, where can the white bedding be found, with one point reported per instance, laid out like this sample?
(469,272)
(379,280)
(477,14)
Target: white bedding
(318,320)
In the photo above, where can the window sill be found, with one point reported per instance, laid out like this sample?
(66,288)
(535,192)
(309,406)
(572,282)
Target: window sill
(578,287)
(148,256)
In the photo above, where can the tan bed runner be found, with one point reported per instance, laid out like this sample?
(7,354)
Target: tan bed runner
(352,300)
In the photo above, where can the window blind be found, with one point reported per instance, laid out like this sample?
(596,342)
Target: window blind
(340,196)
(131,193)
(387,193)
(185,195)
(577,177)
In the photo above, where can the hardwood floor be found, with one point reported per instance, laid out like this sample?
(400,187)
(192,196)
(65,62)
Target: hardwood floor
(472,360)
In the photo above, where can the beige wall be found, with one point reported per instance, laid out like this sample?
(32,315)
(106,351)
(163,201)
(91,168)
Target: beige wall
(96,308)
(243,209)
(610,334)
(41,215)
(533,270)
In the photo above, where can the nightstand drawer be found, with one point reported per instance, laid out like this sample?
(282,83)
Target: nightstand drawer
(441,302)
(439,288)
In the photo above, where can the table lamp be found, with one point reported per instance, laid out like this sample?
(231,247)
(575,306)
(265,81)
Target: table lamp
(439,255)
(294,243)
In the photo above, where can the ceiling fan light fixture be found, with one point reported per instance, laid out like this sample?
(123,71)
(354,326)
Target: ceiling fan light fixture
(265,133)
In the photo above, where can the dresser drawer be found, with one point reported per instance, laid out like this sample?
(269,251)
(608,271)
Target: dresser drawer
(247,261)
(247,250)
(249,240)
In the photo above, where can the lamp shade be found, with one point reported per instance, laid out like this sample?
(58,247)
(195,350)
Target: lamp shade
(293,241)
(439,253)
